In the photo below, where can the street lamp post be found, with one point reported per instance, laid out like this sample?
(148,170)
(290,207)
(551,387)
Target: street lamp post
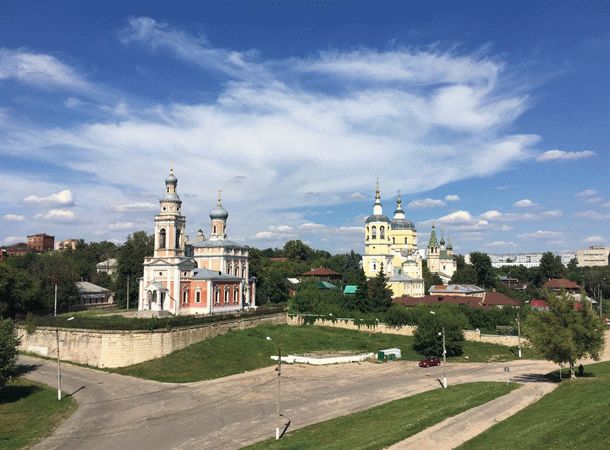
(442,333)
(519,331)
(59,361)
(279,373)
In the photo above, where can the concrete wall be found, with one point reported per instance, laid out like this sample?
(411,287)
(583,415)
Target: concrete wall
(407,330)
(105,348)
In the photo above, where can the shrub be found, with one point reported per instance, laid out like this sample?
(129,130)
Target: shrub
(8,350)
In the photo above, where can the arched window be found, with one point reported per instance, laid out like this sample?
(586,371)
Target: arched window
(406,241)
(243,272)
(393,240)
(185,296)
(226,295)
(217,296)
(214,229)
(197,296)
(235,296)
(374,232)
(236,272)
(374,265)
(382,232)
(162,238)
(177,245)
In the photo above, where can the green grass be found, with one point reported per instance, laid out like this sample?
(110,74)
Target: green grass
(243,350)
(28,412)
(392,422)
(575,415)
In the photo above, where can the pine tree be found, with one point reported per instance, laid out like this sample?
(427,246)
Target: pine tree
(380,294)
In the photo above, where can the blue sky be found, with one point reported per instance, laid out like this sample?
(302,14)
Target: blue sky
(492,119)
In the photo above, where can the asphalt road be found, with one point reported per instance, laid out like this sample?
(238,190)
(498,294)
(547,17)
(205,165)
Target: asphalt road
(119,412)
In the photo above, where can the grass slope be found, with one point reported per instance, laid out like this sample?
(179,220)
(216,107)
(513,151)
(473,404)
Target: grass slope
(392,422)
(28,412)
(575,415)
(243,350)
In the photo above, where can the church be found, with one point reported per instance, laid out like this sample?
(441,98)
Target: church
(440,258)
(392,244)
(207,276)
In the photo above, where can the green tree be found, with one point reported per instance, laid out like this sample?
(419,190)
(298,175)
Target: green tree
(296,249)
(551,266)
(379,292)
(19,292)
(429,340)
(8,350)
(351,269)
(564,334)
(464,275)
(430,279)
(485,274)
(360,300)
(130,257)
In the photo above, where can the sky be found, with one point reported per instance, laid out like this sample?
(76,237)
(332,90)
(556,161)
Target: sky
(491,119)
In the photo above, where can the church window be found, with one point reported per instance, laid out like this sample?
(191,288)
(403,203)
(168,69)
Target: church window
(185,296)
(374,264)
(236,273)
(162,238)
(235,296)
(406,241)
(214,229)
(177,238)
(198,296)
(243,272)
(393,240)
(226,295)
(217,296)
(382,232)
(374,232)
(168,189)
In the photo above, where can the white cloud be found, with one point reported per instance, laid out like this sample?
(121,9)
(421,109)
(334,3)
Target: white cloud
(589,214)
(39,69)
(554,155)
(525,203)
(606,205)
(426,203)
(60,215)
(310,226)
(552,213)
(452,198)
(138,206)
(594,199)
(502,244)
(491,215)
(594,239)
(122,226)
(587,193)
(541,234)
(495,215)
(356,196)
(60,198)
(9,240)
(13,217)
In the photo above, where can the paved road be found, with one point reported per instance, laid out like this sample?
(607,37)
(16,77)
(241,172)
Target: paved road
(458,429)
(118,412)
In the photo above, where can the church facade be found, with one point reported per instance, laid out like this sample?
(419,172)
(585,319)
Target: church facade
(392,245)
(440,258)
(206,276)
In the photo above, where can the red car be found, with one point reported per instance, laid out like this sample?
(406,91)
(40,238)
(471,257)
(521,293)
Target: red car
(429,362)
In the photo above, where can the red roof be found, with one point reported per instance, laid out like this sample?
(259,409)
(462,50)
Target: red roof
(321,272)
(499,299)
(431,299)
(561,283)
(538,304)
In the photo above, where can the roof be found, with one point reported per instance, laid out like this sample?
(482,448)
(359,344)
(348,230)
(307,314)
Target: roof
(293,280)
(461,288)
(325,285)
(218,243)
(433,299)
(350,289)
(107,263)
(84,287)
(402,224)
(321,272)
(537,303)
(377,218)
(499,299)
(205,274)
(561,283)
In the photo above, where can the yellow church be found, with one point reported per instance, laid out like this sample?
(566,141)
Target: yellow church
(392,244)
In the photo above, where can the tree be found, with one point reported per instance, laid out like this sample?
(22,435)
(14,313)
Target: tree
(379,292)
(564,334)
(296,249)
(464,275)
(551,266)
(351,269)
(429,340)
(130,258)
(8,350)
(19,292)
(430,279)
(485,274)
(360,300)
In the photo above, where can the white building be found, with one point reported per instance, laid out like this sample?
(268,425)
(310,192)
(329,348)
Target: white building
(593,256)
(523,259)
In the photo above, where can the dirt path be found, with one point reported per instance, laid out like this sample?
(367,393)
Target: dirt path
(456,430)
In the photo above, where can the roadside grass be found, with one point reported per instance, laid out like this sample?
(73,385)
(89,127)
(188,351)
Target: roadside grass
(244,350)
(392,422)
(29,412)
(575,415)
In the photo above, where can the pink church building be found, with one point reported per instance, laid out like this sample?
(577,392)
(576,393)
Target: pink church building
(207,276)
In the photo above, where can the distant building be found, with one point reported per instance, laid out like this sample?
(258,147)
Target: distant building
(463,290)
(439,258)
(66,244)
(513,283)
(92,296)
(593,256)
(108,266)
(321,274)
(487,300)
(41,242)
(528,260)
(19,249)
(562,284)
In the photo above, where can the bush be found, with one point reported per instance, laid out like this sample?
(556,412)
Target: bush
(8,350)
(429,342)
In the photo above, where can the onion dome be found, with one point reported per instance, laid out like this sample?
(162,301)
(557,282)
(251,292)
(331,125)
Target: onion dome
(219,212)
(171,178)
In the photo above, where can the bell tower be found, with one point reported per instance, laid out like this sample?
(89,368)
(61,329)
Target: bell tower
(170,223)
(219,217)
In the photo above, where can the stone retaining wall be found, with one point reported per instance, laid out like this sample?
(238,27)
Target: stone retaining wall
(107,348)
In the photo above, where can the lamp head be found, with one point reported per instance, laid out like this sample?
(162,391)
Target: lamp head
(269,339)
(70,318)
(432,312)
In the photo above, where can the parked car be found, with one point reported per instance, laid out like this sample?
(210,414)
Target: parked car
(429,362)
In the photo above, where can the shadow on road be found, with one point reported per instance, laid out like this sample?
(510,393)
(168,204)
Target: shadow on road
(23,369)
(530,378)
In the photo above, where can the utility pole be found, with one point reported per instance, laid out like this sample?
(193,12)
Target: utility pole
(58,364)
(55,304)
(279,373)
(127,293)
(519,331)
(444,361)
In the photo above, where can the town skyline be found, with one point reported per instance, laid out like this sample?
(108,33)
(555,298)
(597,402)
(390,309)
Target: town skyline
(494,134)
